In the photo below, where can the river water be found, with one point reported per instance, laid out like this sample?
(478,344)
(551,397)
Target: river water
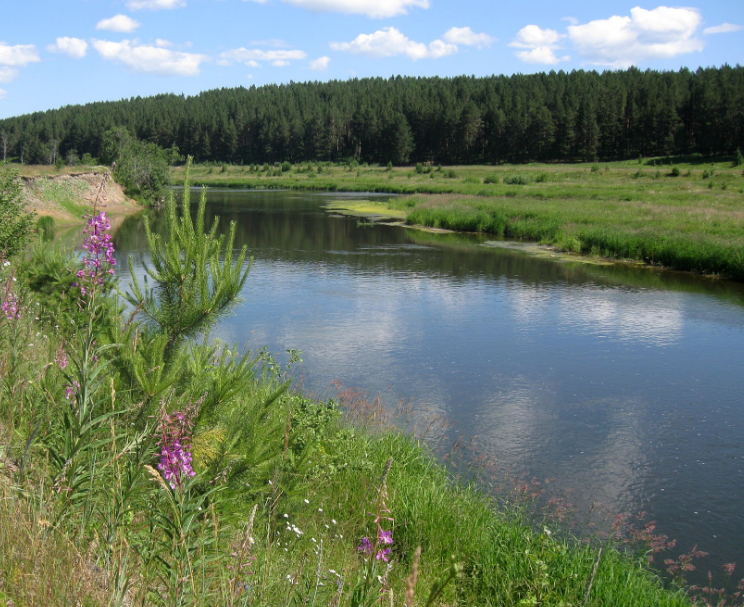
(623,385)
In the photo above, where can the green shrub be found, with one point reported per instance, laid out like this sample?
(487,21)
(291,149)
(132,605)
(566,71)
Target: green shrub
(491,178)
(541,178)
(15,221)
(46,227)
(451,174)
(517,180)
(675,172)
(595,168)
(286,166)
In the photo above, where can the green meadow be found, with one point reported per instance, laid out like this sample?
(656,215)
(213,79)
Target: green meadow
(681,213)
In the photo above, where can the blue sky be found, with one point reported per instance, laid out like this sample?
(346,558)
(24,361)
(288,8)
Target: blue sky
(76,51)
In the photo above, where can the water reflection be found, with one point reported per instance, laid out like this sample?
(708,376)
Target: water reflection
(624,385)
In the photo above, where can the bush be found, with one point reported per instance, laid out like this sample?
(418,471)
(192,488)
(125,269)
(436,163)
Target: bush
(451,174)
(286,166)
(595,168)
(517,180)
(419,168)
(675,172)
(15,221)
(46,227)
(492,178)
(541,178)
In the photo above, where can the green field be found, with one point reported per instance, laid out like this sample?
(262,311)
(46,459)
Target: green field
(682,215)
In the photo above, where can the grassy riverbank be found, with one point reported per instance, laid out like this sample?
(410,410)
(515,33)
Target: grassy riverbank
(685,215)
(142,465)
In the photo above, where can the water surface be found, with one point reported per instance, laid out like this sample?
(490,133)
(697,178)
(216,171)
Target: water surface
(623,385)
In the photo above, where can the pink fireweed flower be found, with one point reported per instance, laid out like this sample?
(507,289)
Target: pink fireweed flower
(175,455)
(11,308)
(382,554)
(71,390)
(61,360)
(365,546)
(99,258)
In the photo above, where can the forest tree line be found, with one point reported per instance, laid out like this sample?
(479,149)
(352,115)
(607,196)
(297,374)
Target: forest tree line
(549,117)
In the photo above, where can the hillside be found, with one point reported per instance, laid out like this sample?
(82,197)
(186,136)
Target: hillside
(548,117)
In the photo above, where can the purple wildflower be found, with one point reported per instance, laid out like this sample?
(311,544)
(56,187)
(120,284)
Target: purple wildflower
(175,455)
(99,259)
(385,537)
(61,360)
(10,308)
(365,546)
(71,390)
(382,554)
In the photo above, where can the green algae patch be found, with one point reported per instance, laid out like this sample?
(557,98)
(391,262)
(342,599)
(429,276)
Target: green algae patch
(367,209)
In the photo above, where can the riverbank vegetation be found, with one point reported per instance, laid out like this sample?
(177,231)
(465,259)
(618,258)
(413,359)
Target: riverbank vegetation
(142,463)
(679,213)
(548,117)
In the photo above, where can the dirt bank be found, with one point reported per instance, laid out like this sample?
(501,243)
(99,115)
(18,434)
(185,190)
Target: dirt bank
(68,197)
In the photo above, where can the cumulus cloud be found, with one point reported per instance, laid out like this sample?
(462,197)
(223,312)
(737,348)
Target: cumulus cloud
(619,42)
(150,59)
(542,55)
(389,42)
(19,55)
(532,36)
(724,28)
(118,23)
(7,74)
(252,56)
(467,37)
(541,45)
(163,43)
(377,9)
(73,47)
(154,5)
(320,64)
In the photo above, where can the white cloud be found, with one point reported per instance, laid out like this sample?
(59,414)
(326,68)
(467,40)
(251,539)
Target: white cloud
(73,47)
(724,28)
(279,63)
(377,9)
(533,37)
(3,93)
(389,42)
(19,55)
(619,42)
(467,37)
(540,44)
(251,56)
(154,5)
(571,20)
(150,59)
(162,43)
(320,64)
(8,74)
(118,23)
(542,54)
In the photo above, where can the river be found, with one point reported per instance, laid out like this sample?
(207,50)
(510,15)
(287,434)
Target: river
(625,386)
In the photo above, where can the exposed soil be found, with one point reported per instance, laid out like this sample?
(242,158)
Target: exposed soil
(66,197)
